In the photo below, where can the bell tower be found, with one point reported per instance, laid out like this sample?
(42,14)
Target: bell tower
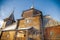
(32,18)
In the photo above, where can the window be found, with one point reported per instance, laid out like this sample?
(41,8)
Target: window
(7,35)
(51,33)
(28,21)
(58,37)
(8,22)
(20,34)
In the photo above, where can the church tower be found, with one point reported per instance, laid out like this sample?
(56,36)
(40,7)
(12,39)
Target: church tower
(10,20)
(32,21)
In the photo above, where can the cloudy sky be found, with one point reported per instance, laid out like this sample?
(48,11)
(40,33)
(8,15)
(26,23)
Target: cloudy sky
(48,7)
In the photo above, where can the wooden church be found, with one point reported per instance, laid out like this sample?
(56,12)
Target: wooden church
(32,26)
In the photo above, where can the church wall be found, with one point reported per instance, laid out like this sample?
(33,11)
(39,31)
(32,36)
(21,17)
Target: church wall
(8,35)
(27,14)
(52,33)
(29,27)
(30,22)
(21,35)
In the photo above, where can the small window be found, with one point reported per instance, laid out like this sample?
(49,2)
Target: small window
(51,33)
(8,22)
(27,20)
(8,35)
(20,34)
(57,37)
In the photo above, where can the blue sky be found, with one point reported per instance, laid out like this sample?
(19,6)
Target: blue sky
(48,7)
